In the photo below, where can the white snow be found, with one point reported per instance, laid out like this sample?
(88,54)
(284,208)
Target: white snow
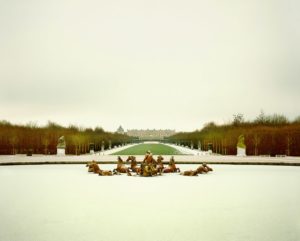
(188,151)
(64,202)
(178,158)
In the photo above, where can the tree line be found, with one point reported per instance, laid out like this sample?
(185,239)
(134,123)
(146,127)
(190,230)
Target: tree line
(266,135)
(21,139)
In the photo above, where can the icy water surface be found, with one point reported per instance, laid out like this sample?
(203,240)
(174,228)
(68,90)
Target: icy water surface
(65,203)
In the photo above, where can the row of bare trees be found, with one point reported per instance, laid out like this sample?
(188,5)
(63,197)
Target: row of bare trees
(20,139)
(266,135)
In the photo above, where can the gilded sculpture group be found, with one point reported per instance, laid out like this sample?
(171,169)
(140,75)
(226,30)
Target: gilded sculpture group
(149,167)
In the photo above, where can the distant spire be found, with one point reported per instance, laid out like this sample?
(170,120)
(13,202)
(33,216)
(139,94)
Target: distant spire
(120,130)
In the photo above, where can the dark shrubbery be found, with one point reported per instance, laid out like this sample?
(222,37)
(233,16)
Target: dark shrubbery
(19,139)
(266,135)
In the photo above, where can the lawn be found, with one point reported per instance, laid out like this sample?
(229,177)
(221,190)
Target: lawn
(156,149)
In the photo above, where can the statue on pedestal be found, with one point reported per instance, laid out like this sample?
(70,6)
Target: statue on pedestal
(61,146)
(241,147)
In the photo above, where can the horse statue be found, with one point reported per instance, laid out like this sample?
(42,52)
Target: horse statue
(133,165)
(148,167)
(190,173)
(149,159)
(159,164)
(105,173)
(171,167)
(94,167)
(201,169)
(149,170)
(121,167)
(206,167)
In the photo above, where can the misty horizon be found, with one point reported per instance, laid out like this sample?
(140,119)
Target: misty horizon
(80,126)
(164,65)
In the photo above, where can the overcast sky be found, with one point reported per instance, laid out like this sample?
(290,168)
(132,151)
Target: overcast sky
(148,64)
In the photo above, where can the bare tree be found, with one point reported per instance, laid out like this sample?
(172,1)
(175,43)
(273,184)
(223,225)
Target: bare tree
(289,142)
(13,141)
(238,119)
(45,142)
(256,142)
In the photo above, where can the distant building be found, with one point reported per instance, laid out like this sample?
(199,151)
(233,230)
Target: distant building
(150,134)
(147,134)
(120,130)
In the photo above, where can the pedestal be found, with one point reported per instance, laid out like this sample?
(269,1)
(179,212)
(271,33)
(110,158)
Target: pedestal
(61,152)
(241,151)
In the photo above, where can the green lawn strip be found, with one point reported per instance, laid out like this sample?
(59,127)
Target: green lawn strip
(156,149)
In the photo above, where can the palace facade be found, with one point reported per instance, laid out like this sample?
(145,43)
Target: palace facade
(148,134)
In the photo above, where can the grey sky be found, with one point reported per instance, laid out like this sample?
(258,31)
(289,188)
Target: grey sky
(148,64)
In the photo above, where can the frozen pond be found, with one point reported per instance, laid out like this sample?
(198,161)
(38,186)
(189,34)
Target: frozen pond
(64,202)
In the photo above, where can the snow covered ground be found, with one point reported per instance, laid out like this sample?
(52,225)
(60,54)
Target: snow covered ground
(191,156)
(64,202)
(180,158)
(188,151)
